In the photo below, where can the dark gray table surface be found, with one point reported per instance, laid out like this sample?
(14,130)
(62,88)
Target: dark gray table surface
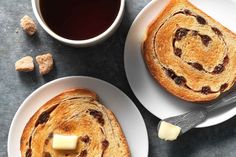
(104,61)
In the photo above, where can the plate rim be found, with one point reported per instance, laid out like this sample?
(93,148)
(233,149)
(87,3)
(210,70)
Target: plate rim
(40,88)
(134,23)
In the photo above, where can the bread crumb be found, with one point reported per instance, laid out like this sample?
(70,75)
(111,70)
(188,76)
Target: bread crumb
(17,30)
(28,25)
(45,63)
(25,64)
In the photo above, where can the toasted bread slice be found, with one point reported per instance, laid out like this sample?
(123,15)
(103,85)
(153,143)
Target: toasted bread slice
(75,112)
(190,54)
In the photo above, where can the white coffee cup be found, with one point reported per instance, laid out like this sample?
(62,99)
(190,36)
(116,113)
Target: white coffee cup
(80,43)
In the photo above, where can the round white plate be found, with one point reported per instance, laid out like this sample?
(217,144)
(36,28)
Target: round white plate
(150,94)
(126,112)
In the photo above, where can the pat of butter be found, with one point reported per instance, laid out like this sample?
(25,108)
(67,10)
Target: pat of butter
(64,142)
(168,132)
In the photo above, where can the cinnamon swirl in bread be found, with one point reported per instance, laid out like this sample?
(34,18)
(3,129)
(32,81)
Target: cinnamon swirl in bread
(75,112)
(190,54)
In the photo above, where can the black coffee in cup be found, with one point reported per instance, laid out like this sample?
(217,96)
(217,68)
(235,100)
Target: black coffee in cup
(79,19)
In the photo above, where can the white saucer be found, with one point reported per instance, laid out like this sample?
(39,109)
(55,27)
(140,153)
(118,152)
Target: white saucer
(150,94)
(126,112)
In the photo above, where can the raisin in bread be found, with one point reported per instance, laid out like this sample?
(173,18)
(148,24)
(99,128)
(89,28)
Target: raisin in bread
(74,112)
(190,54)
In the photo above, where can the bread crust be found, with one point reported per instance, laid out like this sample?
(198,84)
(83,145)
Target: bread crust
(159,53)
(76,102)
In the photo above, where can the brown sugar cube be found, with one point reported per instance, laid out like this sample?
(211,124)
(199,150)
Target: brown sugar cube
(25,64)
(28,25)
(45,63)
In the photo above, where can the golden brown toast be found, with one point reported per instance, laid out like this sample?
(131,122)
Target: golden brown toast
(74,112)
(189,53)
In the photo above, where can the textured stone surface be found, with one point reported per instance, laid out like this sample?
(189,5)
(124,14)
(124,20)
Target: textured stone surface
(104,61)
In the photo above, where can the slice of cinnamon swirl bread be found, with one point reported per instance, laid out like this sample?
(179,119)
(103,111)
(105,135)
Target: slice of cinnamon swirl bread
(190,54)
(78,113)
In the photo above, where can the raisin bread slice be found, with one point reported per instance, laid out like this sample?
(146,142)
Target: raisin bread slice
(74,112)
(190,54)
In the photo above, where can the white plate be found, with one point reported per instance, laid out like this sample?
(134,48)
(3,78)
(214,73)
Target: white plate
(150,94)
(126,112)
